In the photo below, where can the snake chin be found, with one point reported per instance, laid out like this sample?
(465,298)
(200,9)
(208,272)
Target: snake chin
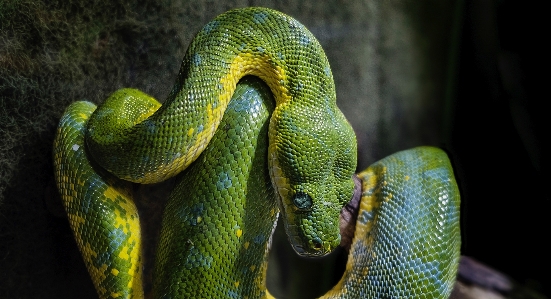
(313,248)
(303,251)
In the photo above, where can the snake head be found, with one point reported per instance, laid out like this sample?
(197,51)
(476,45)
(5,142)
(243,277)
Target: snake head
(312,165)
(312,222)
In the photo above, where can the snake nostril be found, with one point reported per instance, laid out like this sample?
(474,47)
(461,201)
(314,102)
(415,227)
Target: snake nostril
(317,243)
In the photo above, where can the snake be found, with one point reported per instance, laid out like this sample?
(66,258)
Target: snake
(252,131)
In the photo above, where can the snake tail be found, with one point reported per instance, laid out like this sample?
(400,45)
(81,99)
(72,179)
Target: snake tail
(100,209)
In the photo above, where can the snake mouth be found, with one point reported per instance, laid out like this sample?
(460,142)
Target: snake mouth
(314,248)
(306,252)
(301,250)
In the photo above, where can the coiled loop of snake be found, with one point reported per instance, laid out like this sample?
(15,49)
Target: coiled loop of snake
(312,154)
(311,159)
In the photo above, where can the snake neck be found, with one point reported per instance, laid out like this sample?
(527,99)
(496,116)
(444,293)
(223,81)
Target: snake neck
(253,41)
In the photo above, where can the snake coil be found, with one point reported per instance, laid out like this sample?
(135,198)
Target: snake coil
(251,149)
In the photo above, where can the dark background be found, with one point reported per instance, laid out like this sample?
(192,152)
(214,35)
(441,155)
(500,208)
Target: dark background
(498,139)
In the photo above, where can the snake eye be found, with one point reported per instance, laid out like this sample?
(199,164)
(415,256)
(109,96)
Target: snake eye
(302,201)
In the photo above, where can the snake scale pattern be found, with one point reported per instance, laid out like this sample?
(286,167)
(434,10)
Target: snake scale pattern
(253,120)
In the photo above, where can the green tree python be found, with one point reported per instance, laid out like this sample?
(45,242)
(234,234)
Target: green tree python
(255,149)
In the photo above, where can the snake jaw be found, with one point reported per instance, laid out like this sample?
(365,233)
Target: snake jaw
(316,248)
(320,249)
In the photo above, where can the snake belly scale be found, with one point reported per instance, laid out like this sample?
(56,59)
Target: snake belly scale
(296,158)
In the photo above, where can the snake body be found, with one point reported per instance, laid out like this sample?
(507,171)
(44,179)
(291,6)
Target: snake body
(219,219)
